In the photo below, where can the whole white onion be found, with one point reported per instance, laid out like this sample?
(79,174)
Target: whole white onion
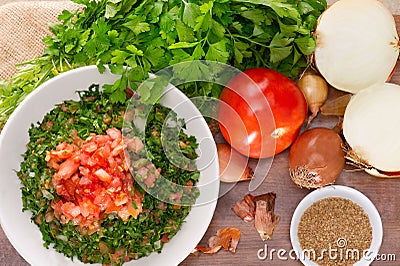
(357,44)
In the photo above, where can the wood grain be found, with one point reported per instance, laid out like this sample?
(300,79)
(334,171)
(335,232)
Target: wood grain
(382,192)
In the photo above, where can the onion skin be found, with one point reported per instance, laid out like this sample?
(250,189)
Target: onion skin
(316,158)
(380,174)
(233,166)
(336,106)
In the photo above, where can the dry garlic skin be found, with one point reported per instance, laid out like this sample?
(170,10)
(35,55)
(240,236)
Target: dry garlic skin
(371,126)
(357,44)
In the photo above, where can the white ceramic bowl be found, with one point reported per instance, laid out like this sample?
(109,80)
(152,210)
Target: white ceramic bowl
(25,235)
(346,193)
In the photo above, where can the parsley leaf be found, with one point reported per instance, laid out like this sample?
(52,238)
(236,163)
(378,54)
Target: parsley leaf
(218,52)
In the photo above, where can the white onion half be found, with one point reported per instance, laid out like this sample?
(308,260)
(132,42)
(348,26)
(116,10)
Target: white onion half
(357,44)
(371,126)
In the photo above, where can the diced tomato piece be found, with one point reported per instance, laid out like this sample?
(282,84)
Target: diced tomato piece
(84,181)
(127,211)
(133,211)
(94,226)
(114,133)
(99,158)
(116,257)
(103,175)
(113,165)
(84,171)
(84,209)
(116,143)
(67,168)
(103,200)
(143,171)
(70,210)
(63,151)
(70,186)
(124,214)
(84,159)
(165,238)
(92,190)
(117,150)
(104,249)
(112,208)
(120,163)
(56,205)
(107,149)
(77,220)
(121,198)
(75,178)
(89,147)
(62,191)
(89,208)
(134,144)
(127,181)
(101,139)
(61,146)
(176,197)
(53,163)
(91,136)
(116,184)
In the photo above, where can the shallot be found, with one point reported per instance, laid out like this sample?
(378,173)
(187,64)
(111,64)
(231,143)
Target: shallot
(316,158)
(233,166)
(315,90)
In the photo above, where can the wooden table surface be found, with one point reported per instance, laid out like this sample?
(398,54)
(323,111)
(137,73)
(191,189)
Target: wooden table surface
(382,192)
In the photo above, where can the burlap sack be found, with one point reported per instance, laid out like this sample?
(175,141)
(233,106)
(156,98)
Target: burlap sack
(22,27)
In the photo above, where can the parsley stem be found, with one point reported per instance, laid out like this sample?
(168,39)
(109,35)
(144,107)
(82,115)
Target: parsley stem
(68,64)
(249,40)
(257,54)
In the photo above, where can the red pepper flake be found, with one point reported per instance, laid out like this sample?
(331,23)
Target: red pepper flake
(226,238)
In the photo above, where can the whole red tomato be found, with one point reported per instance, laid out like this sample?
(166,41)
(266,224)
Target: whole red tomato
(261,112)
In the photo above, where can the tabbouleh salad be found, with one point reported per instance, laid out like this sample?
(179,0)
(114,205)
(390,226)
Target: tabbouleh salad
(89,201)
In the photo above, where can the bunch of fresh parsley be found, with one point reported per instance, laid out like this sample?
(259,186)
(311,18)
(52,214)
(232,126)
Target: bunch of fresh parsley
(149,35)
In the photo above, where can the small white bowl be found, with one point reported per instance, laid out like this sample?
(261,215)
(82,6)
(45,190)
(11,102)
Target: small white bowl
(346,193)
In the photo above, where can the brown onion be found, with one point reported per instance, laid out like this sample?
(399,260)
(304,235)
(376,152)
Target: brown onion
(316,158)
